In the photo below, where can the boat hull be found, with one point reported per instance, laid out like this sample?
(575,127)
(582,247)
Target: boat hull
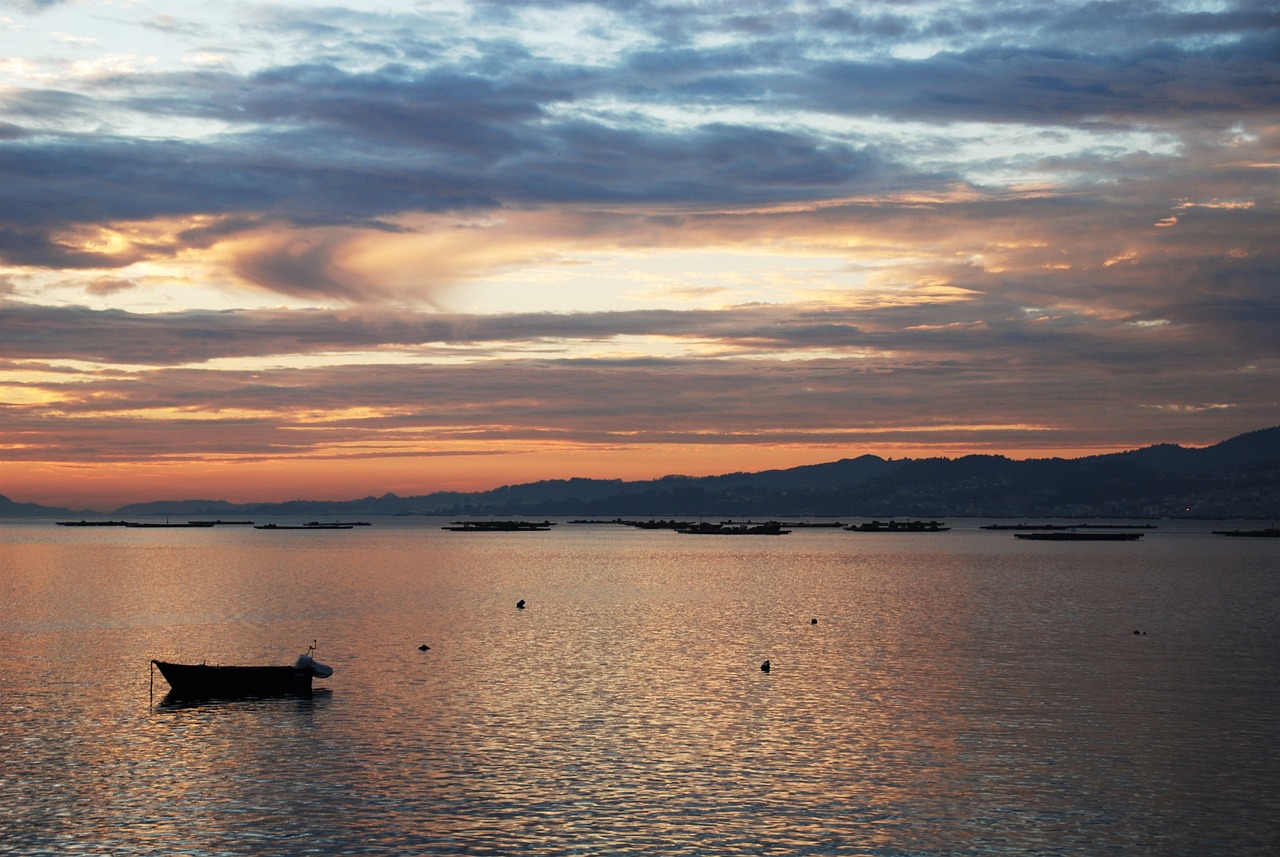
(200,681)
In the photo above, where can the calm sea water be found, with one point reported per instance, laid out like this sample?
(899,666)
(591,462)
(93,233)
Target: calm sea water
(961,693)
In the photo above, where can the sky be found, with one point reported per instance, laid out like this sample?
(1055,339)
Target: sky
(267,251)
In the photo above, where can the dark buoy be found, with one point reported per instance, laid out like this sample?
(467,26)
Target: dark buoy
(765,667)
(423,647)
(520,604)
(813,621)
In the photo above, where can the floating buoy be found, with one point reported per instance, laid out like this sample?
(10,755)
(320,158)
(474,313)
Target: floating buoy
(520,604)
(423,647)
(765,667)
(813,621)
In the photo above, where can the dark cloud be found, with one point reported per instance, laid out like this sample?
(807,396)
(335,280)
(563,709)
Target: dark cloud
(474,116)
(34,248)
(319,144)
(322,147)
(298,266)
(1159,83)
(927,331)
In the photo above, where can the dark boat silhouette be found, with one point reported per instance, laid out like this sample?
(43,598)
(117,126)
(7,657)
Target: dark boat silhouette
(772,528)
(1267,533)
(899,527)
(1069,527)
(203,681)
(176,525)
(1059,536)
(499,526)
(83,523)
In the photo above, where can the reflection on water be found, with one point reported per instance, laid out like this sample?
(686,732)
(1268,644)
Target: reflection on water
(303,701)
(959,693)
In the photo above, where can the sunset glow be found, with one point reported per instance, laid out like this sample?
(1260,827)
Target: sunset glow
(266,252)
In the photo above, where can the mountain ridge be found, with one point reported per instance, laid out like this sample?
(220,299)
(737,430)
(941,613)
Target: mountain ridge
(1238,477)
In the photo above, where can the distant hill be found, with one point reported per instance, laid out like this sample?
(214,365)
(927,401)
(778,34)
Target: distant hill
(1240,451)
(10,509)
(1238,478)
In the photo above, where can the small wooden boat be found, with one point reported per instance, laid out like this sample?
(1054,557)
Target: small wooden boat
(202,681)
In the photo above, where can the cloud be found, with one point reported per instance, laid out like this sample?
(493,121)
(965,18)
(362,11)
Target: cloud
(389,410)
(316,144)
(1159,84)
(1055,216)
(1219,332)
(109,286)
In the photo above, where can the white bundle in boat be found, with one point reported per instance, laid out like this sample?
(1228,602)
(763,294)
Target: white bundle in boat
(318,669)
